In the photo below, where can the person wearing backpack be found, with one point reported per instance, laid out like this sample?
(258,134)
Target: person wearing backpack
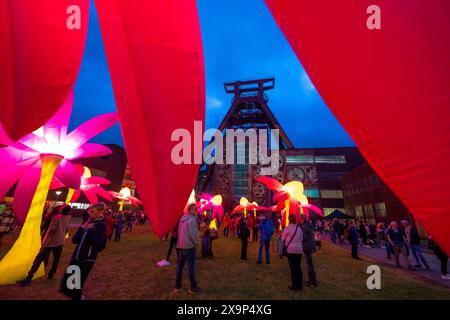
(292,237)
(266,229)
(90,239)
(52,242)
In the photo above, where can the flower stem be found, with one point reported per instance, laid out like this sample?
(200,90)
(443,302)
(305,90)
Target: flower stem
(19,259)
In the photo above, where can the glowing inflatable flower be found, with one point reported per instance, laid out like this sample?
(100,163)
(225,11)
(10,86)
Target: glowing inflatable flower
(34,160)
(288,196)
(244,204)
(90,186)
(21,161)
(125,196)
(209,202)
(205,202)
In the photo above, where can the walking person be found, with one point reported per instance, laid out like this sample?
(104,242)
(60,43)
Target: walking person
(413,238)
(129,222)
(173,241)
(398,241)
(187,245)
(119,226)
(267,230)
(292,237)
(52,242)
(244,233)
(109,221)
(207,241)
(354,239)
(90,239)
(226,225)
(255,231)
(309,248)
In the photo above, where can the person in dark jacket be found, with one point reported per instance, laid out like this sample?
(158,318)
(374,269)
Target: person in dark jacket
(353,235)
(336,231)
(244,233)
(207,241)
(120,220)
(309,247)
(89,239)
(413,238)
(266,230)
(397,240)
(173,241)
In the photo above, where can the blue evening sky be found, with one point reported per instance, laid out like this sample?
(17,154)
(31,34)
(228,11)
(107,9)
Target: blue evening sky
(241,41)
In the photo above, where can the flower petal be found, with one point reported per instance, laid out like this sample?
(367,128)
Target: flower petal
(55,129)
(25,190)
(271,183)
(103,193)
(68,175)
(96,180)
(93,127)
(91,196)
(89,150)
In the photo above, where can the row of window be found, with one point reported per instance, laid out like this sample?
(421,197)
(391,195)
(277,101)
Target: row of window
(369,211)
(362,185)
(324,194)
(309,159)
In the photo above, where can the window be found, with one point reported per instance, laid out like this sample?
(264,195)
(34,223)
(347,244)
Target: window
(312,193)
(331,159)
(359,212)
(331,194)
(293,159)
(328,211)
(368,209)
(374,181)
(240,174)
(380,209)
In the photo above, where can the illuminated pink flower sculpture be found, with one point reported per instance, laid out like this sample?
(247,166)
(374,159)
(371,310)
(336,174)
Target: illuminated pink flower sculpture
(210,202)
(289,198)
(125,196)
(90,186)
(243,206)
(33,161)
(21,161)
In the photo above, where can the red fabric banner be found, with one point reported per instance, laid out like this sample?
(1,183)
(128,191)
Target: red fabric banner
(389,88)
(39,59)
(155,57)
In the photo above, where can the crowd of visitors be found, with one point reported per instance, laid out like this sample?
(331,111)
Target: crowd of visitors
(401,241)
(296,241)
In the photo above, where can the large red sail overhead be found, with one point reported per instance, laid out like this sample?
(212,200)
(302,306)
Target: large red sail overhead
(389,88)
(155,57)
(41,46)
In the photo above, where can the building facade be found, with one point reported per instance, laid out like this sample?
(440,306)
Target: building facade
(367,198)
(319,169)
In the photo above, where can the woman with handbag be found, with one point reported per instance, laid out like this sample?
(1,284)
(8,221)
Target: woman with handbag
(292,237)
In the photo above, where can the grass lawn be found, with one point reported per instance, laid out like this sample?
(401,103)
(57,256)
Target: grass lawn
(127,270)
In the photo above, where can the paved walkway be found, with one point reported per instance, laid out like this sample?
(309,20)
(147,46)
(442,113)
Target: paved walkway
(379,254)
